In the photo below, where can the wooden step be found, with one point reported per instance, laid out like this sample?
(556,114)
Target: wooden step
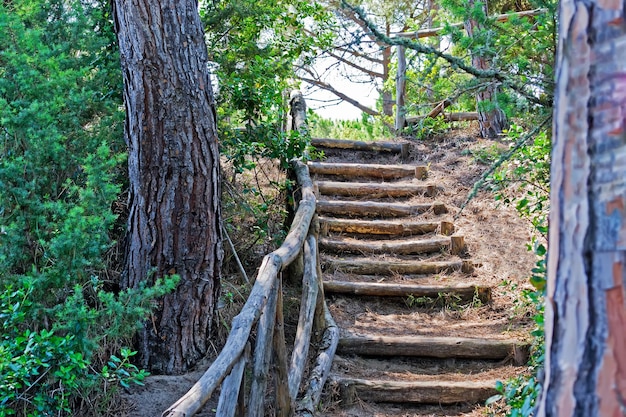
(399,247)
(465,292)
(383,227)
(382,267)
(379,171)
(374,190)
(417,392)
(377,209)
(435,347)
(401,148)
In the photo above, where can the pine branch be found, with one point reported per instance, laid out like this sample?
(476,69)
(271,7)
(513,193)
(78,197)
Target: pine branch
(503,158)
(454,62)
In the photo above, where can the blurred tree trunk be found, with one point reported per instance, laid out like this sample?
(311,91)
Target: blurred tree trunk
(174,221)
(491,119)
(585,307)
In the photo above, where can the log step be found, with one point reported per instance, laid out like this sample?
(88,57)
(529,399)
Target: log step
(375,190)
(382,267)
(383,227)
(435,347)
(378,171)
(401,148)
(416,392)
(377,209)
(399,247)
(465,292)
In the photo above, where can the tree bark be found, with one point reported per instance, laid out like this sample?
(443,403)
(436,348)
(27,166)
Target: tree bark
(491,119)
(585,309)
(173,162)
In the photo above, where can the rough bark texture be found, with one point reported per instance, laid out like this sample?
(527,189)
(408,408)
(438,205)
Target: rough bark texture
(491,119)
(585,309)
(174,171)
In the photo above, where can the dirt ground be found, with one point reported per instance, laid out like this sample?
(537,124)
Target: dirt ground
(496,238)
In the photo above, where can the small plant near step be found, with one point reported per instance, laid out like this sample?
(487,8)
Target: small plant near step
(121,370)
(448,300)
(429,127)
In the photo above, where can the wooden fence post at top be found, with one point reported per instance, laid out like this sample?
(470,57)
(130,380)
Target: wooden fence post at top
(400,89)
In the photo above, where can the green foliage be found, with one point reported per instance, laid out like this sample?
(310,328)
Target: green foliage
(61,173)
(122,371)
(43,370)
(39,369)
(254,46)
(429,127)
(521,48)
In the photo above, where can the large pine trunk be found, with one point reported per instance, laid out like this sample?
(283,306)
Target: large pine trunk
(585,309)
(491,119)
(174,221)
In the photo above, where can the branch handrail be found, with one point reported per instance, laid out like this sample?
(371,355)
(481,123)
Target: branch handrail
(264,308)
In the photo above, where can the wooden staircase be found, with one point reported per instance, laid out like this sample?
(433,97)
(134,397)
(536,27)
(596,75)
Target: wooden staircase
(393,265)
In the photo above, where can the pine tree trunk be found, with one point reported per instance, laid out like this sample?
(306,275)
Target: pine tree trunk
(585,309)
(491,119)
(174,223)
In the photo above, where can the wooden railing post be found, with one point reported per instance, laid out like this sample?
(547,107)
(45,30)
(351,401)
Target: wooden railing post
(400,89)
(262,355)
(284,400)
(232,389)
(305,321)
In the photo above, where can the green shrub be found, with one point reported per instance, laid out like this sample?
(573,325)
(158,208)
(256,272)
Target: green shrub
(61,174)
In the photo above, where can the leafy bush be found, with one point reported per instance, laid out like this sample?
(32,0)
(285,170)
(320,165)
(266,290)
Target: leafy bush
(61,174)
(254,46)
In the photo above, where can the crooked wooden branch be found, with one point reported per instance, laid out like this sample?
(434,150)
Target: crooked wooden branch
(305,321)
(505,157)
(426,33)
(319,374)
